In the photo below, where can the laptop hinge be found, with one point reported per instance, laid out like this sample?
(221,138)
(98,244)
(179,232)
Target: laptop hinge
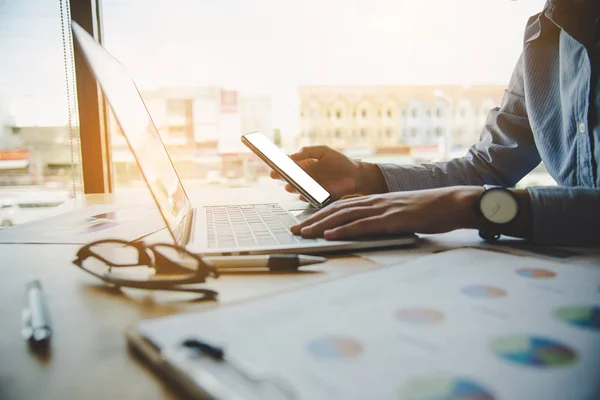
(188,230)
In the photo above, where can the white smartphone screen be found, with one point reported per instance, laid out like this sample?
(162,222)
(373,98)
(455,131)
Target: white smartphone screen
(286,165)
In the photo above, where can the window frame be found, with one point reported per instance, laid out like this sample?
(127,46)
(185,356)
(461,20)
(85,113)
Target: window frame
(94,142)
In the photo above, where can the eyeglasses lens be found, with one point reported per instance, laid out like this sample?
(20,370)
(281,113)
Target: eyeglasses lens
(117,262)
(170,259)
(120,264)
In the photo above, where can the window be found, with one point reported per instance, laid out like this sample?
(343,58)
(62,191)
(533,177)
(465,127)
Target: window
(302,87)
(177,107)
(178,120)
(39,130)
(338,133)
(438,112)
(438,132)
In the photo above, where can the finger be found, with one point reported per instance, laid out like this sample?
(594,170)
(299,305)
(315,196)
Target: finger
(353,195)
(325,212)
(290,188)
(303,198)
(339,218)
(309,152)
(369,226)
(274,175)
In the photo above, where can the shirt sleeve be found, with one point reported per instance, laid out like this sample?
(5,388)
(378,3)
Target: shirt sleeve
(505,153)
(565,216)
(406,177)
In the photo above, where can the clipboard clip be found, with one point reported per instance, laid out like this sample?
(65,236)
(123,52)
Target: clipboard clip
(205,371)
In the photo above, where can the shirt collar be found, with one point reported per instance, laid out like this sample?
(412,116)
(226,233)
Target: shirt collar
(579,18)
(535,26)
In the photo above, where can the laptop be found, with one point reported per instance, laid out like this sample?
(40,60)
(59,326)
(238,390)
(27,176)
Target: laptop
(227,229)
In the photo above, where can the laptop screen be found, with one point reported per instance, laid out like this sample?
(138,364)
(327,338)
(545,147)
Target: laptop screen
(141,134)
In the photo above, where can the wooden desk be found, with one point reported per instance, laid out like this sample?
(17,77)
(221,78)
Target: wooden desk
(88,357)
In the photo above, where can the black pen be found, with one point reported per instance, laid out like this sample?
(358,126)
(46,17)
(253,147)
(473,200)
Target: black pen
(272,263)
(36,320)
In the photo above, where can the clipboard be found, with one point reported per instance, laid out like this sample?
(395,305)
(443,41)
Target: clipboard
(196,374)
(465,321)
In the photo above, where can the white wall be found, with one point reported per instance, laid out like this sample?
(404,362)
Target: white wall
(256,115)
(206,119)
(230,133)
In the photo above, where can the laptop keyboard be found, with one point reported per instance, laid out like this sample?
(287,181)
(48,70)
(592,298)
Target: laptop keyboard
(250,225)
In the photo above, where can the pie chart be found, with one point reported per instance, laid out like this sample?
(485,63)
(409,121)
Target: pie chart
(534,351)
(483,291)
(445,388)
(582,316)
(420,316)
(335,347)
(536,273)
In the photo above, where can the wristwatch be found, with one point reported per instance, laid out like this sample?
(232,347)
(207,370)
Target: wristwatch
(499,207)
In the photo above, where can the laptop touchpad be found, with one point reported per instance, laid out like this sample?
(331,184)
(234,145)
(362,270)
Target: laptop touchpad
(301,215)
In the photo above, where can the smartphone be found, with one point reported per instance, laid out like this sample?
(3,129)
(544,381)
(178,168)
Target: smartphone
(287,168)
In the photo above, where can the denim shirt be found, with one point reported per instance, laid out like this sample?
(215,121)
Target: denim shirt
(550,112)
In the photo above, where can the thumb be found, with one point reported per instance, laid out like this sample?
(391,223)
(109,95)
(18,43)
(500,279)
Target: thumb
(316,152)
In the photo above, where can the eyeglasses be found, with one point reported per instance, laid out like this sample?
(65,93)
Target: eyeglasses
(159,266)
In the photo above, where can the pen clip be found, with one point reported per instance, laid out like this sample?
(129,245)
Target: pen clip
(27,328)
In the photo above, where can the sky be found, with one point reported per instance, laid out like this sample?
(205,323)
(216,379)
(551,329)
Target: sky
(265,47)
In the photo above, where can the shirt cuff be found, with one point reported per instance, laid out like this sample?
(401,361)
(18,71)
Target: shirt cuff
(406,177)
(565,216)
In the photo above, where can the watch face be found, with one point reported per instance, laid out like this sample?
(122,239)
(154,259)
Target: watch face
(499,206)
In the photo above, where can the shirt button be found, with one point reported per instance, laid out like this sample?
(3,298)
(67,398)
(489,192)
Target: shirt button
(582,127)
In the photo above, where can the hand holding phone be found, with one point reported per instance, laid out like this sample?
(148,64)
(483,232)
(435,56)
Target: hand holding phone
(291,172)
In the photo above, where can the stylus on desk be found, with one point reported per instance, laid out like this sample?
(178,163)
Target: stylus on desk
(273,262)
